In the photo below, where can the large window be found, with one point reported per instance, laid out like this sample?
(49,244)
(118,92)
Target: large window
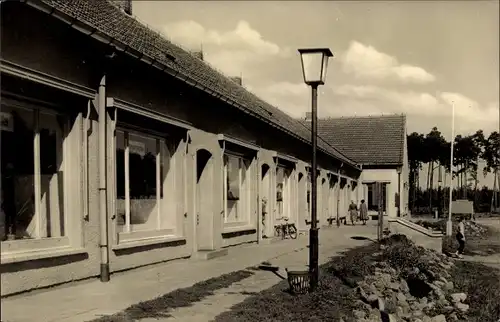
(33,173)
(236,188)
(282,191)
(140,180)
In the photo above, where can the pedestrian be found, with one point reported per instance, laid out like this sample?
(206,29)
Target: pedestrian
(353,212)
(363,212)
(460,237)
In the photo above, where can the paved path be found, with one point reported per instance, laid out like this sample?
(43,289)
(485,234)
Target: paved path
(490,260)
(86,301)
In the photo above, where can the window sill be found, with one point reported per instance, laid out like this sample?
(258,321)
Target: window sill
(148,241)
(9,258)
(126,237)
(237,227)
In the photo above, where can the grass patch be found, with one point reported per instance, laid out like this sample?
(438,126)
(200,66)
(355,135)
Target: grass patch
(482,285)
(161,306)
(335,297)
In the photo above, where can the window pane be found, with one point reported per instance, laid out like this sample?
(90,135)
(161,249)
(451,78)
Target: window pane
(280,181)
(17,165)
(120,179)
(51,175)
(142,186)
(233,187)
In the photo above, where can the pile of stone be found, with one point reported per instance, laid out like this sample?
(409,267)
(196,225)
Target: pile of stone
(415,294)
(474,230)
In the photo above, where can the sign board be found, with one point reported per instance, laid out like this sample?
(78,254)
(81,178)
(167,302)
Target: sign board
(137,147)
(6,122)
(463,207)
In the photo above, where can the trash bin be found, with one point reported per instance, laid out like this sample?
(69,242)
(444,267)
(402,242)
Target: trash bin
(298,281)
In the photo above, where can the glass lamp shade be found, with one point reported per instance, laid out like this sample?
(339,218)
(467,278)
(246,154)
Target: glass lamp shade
(315,64)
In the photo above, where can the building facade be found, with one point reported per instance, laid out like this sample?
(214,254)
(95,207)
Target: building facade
(378,144)
(120,150)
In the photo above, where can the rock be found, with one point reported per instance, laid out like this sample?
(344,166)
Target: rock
(458,297)
(401,298)
(439,318)
(359,314)
(372,298)
(462,307)
(448,308)
(393,318)
(453,317)
(394,286)
(426,318)
(380,304)
(404,286)
(449,286)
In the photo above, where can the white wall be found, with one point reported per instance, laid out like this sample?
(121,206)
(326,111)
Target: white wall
(389,176)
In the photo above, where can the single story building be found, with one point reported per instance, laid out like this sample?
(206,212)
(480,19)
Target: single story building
(378,144)
(119,149)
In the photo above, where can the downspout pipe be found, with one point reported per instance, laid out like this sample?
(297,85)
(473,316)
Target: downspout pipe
(103,213)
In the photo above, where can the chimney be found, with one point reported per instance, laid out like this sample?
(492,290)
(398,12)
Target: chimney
(308,116)
(124,5)
(198,54)
(237,80)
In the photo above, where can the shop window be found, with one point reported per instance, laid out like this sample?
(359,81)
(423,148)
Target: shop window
(236,188)
(140,179)
(282,191)
(33,174)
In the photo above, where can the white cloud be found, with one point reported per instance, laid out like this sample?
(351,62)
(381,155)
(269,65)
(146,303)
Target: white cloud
(366,62)
(428,109)
(233,52)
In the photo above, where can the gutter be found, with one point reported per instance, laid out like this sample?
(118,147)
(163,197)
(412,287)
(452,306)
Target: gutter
(103,214)
(119,46)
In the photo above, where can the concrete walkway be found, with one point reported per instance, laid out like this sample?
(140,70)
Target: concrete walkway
(489,260)
(89,300)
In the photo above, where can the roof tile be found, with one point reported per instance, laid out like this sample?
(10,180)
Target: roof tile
(375,140)
(108,19)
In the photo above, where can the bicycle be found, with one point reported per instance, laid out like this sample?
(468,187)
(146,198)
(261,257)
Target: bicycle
(286,229)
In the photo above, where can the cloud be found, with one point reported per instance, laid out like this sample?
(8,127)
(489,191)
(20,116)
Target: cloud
(424,109)
(365,62)
(233,52)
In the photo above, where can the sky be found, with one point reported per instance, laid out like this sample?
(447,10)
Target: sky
(414,57)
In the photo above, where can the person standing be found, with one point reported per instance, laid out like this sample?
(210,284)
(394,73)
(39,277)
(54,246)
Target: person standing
(460,237)
(363,212)
(353,212)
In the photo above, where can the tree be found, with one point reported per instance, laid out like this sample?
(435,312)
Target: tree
(467,154)
(415,144)
(433,144)
(491,154)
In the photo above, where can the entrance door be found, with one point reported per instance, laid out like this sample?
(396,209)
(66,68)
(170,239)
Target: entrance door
(266,202)
(204,232)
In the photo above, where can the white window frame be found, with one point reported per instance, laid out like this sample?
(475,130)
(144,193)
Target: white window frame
(243,209)
(286,192)
(128,235)
(72,243)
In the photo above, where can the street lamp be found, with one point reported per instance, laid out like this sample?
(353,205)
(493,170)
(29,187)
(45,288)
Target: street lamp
(449,225)
(314,66)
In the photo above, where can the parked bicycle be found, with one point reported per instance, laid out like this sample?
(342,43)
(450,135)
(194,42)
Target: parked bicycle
(285,229)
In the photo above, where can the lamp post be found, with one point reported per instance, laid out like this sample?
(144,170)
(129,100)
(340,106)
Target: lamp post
(449,226)
(314,66)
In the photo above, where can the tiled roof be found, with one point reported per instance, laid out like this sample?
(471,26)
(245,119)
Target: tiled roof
(111,22)
(374,140)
